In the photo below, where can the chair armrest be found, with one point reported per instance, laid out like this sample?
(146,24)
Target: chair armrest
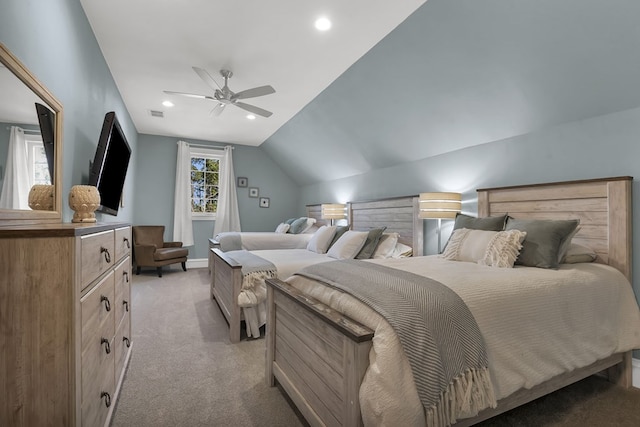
(172,244)
(144,254)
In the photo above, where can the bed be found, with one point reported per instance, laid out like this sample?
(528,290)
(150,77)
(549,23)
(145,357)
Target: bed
(258,240)
(321,357)
(399,215)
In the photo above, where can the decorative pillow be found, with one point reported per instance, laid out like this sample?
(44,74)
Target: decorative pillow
(348,245)
(282,227)
(577,253)
(386,245)
(565,245)
(370,244)
(301,225)
(491,248)
(401,251)
(340,230)
(290,221)
(490,223)
(543,241)
(321,239)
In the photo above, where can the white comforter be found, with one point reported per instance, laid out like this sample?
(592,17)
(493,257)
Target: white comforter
(536,323)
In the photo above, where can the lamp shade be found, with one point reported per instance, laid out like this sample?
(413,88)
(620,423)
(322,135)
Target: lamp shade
(333,211)
(440,205)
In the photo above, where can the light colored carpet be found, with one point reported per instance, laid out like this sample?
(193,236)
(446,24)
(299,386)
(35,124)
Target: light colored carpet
(185,372)
(183,369)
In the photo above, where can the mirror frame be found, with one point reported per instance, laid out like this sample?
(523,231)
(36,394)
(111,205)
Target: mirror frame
(15,217)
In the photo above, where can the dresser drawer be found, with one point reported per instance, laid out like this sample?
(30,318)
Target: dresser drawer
(122,343)
(122,284)
(97,313)
(97,255)
(98,391)
(122,242)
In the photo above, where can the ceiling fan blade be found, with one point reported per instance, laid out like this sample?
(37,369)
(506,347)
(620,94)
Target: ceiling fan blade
(204,75)
(253,109)
(256,91)
(218,109)
(190,95)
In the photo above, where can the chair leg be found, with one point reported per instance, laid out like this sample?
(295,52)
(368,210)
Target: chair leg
(159,271)
(138,269)
(184,266)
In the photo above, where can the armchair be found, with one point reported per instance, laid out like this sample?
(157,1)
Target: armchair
(150,249)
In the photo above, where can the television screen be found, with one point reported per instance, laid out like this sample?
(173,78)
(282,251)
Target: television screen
(45,119)
(109,168)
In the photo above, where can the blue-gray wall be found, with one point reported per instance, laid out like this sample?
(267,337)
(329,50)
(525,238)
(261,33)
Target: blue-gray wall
(155,184)
(55,42)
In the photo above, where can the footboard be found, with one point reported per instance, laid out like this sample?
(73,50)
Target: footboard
(317,355)
(226,283)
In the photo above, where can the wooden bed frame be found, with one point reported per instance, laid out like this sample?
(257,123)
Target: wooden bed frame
(300,328)
(399,214)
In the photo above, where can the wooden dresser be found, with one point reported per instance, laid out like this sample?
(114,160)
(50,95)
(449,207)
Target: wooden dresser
(65,322)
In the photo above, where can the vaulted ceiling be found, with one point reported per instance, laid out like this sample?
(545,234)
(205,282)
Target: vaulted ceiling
(454,74)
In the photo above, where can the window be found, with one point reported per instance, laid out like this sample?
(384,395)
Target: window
(205,178)
(37,160)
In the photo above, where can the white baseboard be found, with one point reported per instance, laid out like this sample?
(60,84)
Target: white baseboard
(635,369)
(198,263)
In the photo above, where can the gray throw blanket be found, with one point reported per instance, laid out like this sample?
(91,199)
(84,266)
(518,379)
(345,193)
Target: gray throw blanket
(437,331)
(254,271)
(229,241)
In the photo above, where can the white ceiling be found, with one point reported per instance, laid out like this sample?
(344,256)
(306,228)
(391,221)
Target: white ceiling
(151,46)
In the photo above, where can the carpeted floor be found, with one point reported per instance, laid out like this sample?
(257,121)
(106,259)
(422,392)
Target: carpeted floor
(185,372)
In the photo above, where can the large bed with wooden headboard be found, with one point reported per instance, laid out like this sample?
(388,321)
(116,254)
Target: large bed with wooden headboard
(397,215)
(326,359)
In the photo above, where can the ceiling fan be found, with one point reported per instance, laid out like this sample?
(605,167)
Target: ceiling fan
(225,96)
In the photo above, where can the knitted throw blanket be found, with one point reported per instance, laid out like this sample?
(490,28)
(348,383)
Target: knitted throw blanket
(437,331)
(254,272)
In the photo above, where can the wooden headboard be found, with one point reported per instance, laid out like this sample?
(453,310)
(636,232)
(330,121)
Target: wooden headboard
(603,207)
(315,211)
(398,214)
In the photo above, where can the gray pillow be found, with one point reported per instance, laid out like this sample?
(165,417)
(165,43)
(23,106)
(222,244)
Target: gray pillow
(544,239)
(298,225)
(371,243)
(290,221)
(490,223)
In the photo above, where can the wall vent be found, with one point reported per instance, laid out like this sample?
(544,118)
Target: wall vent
(156,113)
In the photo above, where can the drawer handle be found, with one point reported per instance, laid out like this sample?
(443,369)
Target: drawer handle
(126,305)
(126,276)
(107,256)
(107,303)
(126,341)
(126,240)
(107,398)
(107,347)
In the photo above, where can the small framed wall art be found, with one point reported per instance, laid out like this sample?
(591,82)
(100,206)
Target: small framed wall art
(264,202)
(254,192)
(242,181)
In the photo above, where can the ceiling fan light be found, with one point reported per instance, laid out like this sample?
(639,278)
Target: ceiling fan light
(251,117)
(323,24)
(167,103)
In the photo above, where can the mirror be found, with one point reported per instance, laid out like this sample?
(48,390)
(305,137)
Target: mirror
(29,117)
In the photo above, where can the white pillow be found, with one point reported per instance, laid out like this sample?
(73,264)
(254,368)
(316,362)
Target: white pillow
(282,227)
(310,222)
(348,245)
(491,248)
(321,239)
(386,245)
(578,253)
(401,251)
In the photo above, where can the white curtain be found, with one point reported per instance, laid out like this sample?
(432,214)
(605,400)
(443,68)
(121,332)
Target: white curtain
(182,226)
(228,216)
(16,183)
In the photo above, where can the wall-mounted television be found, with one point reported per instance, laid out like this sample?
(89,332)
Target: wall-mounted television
(109,167)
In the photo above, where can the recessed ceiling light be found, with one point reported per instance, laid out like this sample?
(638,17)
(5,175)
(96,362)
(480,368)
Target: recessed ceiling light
(251,117)
(323,24)
(167,103)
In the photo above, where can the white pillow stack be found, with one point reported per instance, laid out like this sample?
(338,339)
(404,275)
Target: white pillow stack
(321,239)
(348,245)
(282,228)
